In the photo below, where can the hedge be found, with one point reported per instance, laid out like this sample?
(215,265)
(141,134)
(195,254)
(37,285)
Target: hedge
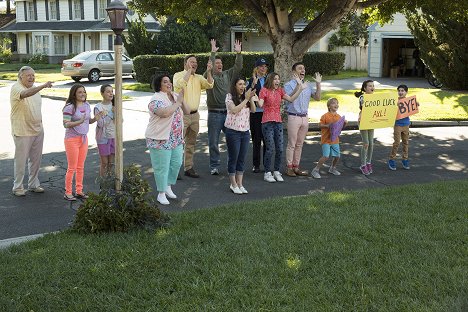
(147,65)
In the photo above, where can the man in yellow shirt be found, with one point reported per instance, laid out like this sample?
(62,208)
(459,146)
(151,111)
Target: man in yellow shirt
(27,130)
(193,84)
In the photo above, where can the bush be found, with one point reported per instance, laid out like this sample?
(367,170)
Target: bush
(38,59)
(5,56)
(110,211)
(147,65)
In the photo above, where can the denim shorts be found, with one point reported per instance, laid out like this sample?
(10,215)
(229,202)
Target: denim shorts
(331,150)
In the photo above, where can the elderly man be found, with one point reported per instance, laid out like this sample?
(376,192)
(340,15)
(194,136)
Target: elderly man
(27,130)
(298,120)
(192,84)
(216,100)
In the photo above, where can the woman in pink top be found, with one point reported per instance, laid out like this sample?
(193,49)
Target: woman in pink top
(76,120)
(239,105)
(271,96)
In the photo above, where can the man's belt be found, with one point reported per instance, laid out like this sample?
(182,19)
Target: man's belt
(298,115)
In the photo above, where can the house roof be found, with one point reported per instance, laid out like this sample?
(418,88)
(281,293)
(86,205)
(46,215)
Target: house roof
(67,26)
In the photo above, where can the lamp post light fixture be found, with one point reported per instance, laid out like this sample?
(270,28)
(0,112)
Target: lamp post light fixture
(117,12)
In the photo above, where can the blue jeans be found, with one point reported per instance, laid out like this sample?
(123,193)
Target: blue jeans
(215,126)
(273,137)
(237,144)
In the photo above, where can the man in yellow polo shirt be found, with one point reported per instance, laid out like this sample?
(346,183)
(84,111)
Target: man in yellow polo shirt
(27,131)
(192,84)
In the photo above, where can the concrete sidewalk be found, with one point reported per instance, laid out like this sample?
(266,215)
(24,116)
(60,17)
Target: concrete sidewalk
(436,154)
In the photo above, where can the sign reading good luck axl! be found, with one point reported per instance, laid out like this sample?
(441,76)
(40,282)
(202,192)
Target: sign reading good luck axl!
(407,106)
(378,111)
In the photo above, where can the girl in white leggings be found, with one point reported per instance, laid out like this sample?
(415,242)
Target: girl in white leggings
(367,135)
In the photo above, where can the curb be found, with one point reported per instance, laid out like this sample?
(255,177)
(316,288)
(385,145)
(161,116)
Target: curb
(5,243)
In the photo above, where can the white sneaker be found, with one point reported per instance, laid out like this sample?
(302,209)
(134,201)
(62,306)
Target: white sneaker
(170,193)
(278,176)
(268,177)
(333,171)
(316,174)
(235,189)
(162,199)
(243,190)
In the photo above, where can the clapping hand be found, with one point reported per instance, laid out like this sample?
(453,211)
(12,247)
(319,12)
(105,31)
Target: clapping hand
(209,66)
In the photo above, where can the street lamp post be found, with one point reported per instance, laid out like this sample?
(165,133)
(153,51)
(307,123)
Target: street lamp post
(117,11)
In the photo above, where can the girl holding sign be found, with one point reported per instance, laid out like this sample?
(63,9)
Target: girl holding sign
(367,135)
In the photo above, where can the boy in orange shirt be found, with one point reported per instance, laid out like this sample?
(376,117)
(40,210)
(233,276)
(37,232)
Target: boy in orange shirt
(329,148)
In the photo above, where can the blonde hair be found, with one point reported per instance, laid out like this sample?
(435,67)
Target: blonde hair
(330,101)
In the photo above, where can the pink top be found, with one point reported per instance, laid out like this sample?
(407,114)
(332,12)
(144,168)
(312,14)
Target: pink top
(239,121)
(70,114)
(272,104)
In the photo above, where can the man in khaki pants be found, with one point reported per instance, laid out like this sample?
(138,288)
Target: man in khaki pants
(192,84)
(27,130)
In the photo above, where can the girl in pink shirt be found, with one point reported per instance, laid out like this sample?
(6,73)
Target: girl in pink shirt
(76,120)
(270,98)
(239,105)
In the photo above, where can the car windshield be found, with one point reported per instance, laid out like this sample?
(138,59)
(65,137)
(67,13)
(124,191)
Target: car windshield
(82,56)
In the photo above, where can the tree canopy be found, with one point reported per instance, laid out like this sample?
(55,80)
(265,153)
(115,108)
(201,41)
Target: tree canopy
(277,18)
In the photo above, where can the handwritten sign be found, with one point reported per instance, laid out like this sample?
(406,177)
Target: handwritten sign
(336,127)
(378,111)
(407,107)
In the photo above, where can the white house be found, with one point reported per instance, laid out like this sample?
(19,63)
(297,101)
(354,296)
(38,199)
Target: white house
(58,28)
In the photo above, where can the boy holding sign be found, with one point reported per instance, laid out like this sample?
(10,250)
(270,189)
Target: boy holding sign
(407,106)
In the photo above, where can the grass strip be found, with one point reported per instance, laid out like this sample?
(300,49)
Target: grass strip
(388,249)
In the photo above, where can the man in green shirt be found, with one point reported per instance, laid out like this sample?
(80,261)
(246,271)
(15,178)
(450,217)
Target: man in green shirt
(216,100)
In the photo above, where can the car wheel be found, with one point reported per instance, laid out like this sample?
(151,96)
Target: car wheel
(77,79)
(94,75)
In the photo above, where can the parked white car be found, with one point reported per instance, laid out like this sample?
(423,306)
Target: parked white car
(94,65)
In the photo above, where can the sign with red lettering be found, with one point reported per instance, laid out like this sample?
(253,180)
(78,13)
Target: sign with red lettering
(407,106)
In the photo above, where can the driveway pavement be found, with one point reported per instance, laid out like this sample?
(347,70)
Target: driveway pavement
(436,154)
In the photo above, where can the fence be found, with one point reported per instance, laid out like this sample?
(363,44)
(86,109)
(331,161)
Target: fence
(356,57)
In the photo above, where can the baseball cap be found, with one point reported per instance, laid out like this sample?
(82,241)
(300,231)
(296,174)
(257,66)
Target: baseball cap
(260,62)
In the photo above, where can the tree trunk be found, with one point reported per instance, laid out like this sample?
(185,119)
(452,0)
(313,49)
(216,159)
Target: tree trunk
(284,55)
(8,7)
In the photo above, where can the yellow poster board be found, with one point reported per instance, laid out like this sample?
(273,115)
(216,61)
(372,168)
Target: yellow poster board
(379,110)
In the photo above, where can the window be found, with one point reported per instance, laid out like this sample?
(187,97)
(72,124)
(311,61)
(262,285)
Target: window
(104,57)
(102,8)
(59,44)
(41,44)
(53,10)
(76,46)
(76,9)
(31,11)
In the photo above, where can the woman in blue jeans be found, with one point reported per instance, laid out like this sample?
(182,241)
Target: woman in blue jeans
(239,104)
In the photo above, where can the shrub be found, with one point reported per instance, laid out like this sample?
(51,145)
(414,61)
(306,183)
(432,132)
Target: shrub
(110,211)
(148,65)
(38,59)
(5,56)
(139,40)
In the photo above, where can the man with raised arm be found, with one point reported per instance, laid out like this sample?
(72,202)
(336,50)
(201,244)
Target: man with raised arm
(193,84)
(216,100)
(298,120)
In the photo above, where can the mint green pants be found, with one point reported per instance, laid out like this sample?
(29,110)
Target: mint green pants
(166,165)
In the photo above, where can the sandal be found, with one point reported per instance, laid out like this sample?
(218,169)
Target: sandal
(69,197)
(81,196)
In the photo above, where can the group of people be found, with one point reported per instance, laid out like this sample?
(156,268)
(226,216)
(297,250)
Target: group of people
(243,109)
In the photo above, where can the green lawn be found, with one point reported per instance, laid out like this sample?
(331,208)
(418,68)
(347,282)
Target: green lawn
(388,249)
(342,75)
(434,104)
(44,72)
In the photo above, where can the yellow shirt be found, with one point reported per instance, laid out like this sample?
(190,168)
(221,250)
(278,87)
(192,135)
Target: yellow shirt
(192,88)
(26,117)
